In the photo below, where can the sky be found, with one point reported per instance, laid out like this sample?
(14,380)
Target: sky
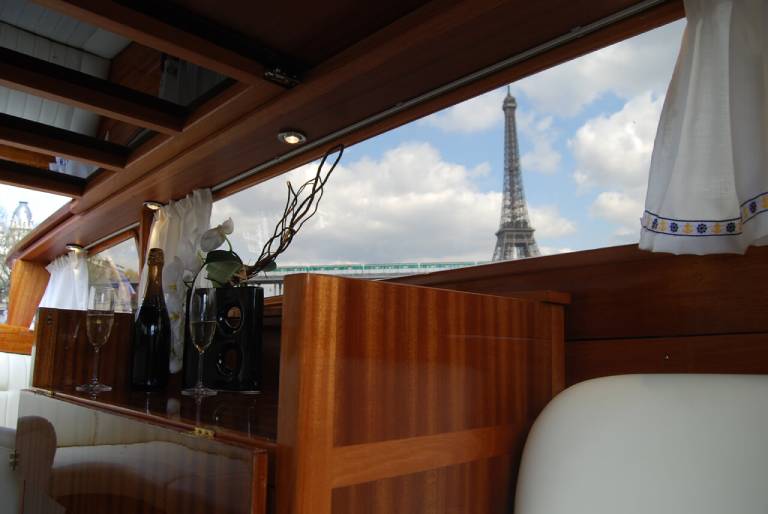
(431,190)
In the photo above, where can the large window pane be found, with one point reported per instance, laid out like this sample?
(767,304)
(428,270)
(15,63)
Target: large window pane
(118,266)
(431,192)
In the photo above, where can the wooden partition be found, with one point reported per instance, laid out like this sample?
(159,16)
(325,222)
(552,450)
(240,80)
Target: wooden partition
(64,358)
(16,339)
(639,312)
(408,399)
(27,288)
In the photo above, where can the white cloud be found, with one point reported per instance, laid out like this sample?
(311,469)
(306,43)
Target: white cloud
(543,157)
(410,205)
(474,115)
(548,222)
(551,250)
(621,209)
(626,69)
(615,151)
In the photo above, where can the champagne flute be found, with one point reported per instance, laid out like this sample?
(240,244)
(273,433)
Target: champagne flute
(99,320)
(202,326)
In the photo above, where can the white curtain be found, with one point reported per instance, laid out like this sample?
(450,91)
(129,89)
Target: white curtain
(68,285)
(708,183)
(176,229)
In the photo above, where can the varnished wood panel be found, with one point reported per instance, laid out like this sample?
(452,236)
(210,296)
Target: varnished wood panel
(623,292)
(30,177)
(58,83)
(418,361)
(192,46)
(28,283)
(639,312)
(36,160)
(16,339)
(64,357)
(733,353)
(107,462)
(479,486)
(137,67)
(379,380)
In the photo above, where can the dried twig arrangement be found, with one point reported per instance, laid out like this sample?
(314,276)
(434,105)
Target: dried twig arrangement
(300,206)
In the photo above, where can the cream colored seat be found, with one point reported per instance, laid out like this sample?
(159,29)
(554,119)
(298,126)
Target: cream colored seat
(15,374)
(662,444)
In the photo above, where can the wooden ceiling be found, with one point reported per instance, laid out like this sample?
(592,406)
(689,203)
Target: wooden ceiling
(336,70)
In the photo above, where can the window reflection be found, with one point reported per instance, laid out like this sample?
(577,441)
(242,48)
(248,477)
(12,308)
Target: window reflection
(118,266)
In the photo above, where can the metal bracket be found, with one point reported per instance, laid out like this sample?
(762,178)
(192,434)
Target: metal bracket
(281,77)
(13,459)
(205,433)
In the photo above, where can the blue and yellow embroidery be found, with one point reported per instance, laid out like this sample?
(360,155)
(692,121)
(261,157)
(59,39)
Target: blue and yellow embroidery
(704,228)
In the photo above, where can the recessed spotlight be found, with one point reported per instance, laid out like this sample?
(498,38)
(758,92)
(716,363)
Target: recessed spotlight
(291,137)
(74,247)
(152,205)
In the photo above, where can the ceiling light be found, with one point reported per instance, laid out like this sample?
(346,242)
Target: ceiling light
(74,247)
(291,137)
(152,205)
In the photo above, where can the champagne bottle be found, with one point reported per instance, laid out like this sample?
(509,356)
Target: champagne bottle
(151,350)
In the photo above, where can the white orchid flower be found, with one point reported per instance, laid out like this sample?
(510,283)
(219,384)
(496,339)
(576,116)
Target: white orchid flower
(215,237)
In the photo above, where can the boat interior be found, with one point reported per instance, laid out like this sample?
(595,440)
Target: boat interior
(605,380)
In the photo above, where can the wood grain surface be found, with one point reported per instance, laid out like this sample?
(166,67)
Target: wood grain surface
(64,357)
(380,381)
(16,339)
(630,308)
(28,283)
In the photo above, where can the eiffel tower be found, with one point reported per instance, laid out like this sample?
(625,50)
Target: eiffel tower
(514,239)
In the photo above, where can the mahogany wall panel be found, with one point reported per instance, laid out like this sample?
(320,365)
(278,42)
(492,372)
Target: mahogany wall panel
(733,353)
(479,486)
(631,308)
(379,382)
(63,356)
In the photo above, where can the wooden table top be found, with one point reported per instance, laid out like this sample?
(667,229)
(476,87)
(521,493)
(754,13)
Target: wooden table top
(249,419)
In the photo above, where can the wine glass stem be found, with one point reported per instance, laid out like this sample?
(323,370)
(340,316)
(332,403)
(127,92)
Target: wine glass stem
(95,378)
(199,371)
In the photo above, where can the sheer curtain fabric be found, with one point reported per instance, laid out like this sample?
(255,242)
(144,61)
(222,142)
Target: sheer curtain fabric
(176,229)
(68,285)
(708,183)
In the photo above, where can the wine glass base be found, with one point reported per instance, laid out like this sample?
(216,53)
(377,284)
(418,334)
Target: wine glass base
(199,392)
(93,388)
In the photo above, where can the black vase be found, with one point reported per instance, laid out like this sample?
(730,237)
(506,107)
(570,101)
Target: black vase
(232,362)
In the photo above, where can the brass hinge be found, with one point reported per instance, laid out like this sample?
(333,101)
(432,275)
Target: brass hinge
(207,433)
(13,459)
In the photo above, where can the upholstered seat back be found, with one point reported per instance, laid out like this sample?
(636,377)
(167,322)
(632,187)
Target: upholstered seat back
(662,444)
(15,374)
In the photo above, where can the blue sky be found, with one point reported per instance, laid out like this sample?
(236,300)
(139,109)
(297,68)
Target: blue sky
(431,190)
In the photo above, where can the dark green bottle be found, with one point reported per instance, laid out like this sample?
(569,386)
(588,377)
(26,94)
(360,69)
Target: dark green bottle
(151,351)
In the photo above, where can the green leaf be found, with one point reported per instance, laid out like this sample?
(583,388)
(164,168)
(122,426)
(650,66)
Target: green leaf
(221,265)
(270,267)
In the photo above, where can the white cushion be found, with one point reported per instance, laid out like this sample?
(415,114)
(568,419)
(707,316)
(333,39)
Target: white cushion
(15,374)
(667,444)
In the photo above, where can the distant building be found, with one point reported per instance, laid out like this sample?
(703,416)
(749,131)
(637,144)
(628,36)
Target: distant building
(12,230)
(514,239)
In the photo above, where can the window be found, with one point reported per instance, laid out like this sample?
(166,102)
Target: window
(431,191)
(118,266)
(20,211)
